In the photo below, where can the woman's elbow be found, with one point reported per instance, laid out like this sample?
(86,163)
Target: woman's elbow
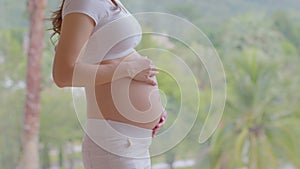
(62,78)
(59,80)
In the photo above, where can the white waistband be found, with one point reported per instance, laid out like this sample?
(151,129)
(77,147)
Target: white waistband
(120,138)
(108,128)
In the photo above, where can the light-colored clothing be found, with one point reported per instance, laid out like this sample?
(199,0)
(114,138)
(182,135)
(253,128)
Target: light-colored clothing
(110,144)
(103,13)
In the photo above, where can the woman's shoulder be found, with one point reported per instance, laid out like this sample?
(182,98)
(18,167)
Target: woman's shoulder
(96,9)
(86,4)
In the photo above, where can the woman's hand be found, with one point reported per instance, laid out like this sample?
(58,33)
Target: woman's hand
(162,121)
(142,69)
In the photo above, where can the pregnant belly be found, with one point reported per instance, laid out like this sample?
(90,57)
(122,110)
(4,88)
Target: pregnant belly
(129,101)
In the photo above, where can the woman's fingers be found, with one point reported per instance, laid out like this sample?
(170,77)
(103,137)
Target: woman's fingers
(149,72)
(151,82)
(143,69)
(152,73)
(153,68)
(145,77)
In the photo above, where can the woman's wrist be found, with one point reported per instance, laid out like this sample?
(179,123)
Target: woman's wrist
(123,69)
(128,69)
(140,70)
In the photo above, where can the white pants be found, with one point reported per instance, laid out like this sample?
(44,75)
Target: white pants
(109,144)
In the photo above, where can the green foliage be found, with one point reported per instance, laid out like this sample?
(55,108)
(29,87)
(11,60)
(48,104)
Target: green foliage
(12,65)
(260,50)
(288,28)
(12,56)
(254,132)
(59,121)
(45,157)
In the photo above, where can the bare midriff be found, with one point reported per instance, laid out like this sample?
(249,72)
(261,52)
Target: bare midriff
(125,100)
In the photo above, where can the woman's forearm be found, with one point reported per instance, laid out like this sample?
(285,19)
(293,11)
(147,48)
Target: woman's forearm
(89,74)
(84,75)
(80,74)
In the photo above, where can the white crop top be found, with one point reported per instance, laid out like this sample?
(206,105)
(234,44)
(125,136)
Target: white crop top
(113,39)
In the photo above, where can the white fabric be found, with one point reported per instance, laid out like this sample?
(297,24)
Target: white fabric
(104,14)
(120,138)
(114,145)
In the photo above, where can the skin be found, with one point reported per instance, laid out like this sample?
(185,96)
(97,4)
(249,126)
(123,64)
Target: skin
(136,75)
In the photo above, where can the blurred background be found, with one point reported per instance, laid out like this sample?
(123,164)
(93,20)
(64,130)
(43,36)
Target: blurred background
(259,44)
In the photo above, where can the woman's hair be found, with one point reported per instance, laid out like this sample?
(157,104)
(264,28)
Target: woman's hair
(56,19)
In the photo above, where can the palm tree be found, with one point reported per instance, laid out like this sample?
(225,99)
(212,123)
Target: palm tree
(29,155)
(260,124)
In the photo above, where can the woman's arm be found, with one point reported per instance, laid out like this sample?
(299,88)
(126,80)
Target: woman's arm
(76,30)
(162,121)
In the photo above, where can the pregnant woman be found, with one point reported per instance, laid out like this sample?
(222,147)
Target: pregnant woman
(124,110)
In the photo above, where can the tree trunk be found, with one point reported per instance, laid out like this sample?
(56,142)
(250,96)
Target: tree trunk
(170,159)
(60,157)
(29,158)
(70,148)
(45,157)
